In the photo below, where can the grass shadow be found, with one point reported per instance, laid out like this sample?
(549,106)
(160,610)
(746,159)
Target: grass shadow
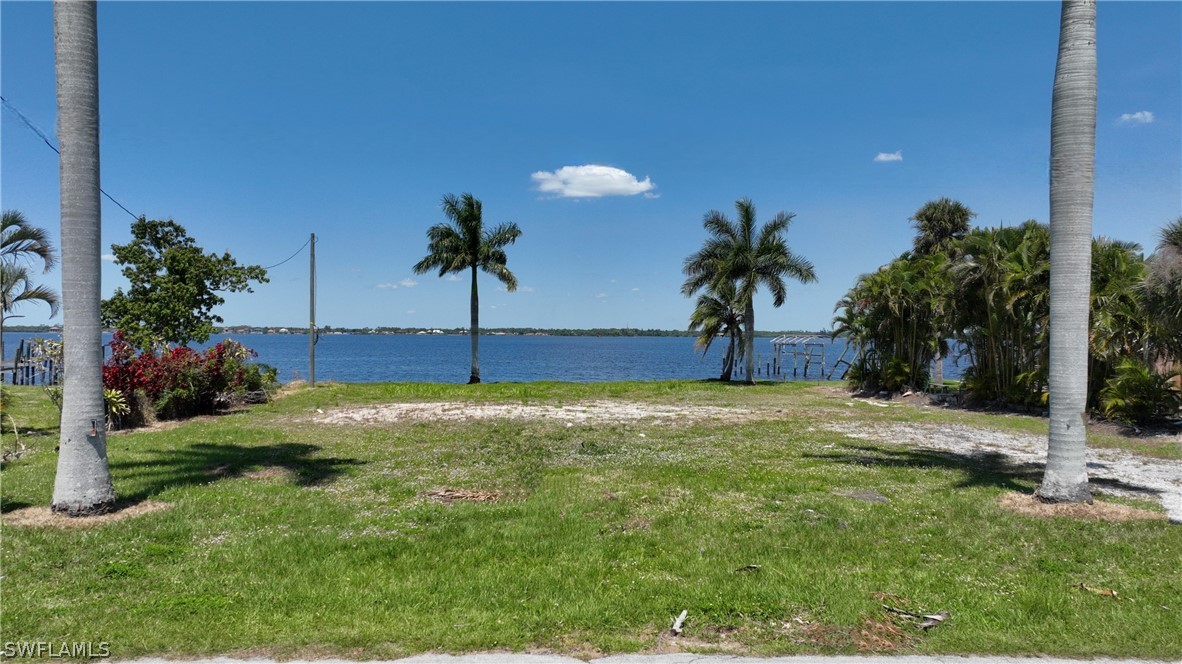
(202,463)
(978,469)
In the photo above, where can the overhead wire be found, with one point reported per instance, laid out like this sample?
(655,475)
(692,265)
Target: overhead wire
(41,134)
(36,130)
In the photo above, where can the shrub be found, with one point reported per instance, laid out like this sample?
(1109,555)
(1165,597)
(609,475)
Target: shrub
(181,382)
(1135,394)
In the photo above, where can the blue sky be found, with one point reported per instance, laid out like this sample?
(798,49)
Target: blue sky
(255,124)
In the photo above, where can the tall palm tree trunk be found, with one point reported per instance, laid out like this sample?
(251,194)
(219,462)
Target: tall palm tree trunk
(1073,153)
(475,377)
(749,342)
(83,482)
(728,362)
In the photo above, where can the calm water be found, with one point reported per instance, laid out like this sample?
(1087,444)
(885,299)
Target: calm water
(445,358)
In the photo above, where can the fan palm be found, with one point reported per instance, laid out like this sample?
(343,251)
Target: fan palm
(464,244)
(939,224)
(738,252)
(717,315)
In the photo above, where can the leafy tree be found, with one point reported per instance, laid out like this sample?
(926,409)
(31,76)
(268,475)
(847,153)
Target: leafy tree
(716,314)
(82,484)
(739,253)
(464,244)
(173,286)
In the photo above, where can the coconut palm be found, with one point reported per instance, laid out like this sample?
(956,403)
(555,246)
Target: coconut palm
(464,244)
(83,482)
(715,315)
(1073,154)
(739,253)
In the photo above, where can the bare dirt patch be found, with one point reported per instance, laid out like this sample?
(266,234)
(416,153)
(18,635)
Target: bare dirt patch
(269,473)
(448,496)
(1027,505)
(40,516)
(587,412)
(1112,471)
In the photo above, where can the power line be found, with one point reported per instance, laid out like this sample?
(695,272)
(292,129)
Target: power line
(297,253)
(32,127)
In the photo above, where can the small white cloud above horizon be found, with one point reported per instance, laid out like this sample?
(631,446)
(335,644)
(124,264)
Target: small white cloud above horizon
(453,277)
(600,296)
(635,290)
(110,258)
(592,181)
(387,286)
(408,283)
(897,155)
(1138,118)
(527,289)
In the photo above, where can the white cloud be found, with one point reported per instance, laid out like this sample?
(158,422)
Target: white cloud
(387,286)
(408,283)
(527,289)
(110,258)
(635,290)
(453,277)
(889,156)
(591,181)
(600,296)
(1140,117)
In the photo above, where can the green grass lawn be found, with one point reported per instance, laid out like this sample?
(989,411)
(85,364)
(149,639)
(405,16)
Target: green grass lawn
(602,534)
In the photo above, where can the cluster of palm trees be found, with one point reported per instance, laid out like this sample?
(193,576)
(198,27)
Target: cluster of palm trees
(988,290)
(734,261)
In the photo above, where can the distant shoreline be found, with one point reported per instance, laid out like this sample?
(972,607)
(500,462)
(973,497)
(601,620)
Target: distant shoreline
(417,331)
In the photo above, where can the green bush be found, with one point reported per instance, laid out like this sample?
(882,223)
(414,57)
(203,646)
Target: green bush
(1134,394)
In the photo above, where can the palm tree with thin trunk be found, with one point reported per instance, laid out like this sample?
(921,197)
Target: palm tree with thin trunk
(1073,154)
(464,244)
(717,314)
(83,482)
(738,252)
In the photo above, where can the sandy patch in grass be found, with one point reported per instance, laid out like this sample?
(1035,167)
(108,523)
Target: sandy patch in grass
(587,412)
(269,473)
(40,516)
(448,496)
(1112,471)
(1028,505)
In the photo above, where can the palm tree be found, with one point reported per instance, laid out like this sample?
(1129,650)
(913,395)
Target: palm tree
(21,242)
(464,244)
(717,314)
(738,253)
(1073,154)
(939,224)
(1163,291)
(83,482)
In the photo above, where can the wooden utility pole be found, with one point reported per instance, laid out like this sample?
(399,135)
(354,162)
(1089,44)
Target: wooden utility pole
(312,313)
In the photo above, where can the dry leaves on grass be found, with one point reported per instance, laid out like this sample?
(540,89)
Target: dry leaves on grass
(1028,505)
(448,496)
(40,516)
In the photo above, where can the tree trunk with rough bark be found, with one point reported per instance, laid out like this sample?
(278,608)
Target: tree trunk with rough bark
(1073,153)
(83,482)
